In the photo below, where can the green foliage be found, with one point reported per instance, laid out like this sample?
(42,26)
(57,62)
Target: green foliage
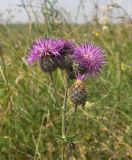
(30,104)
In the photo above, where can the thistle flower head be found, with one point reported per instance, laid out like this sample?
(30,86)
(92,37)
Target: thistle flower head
(91,57)
(68,47)
(48,64)
(65,60)
(42,48)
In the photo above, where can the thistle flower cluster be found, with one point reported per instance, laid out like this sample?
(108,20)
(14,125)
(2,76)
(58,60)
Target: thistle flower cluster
(79,61)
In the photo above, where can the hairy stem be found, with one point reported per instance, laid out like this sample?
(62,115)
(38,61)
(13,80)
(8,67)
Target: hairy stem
(63,119)
(73,117)
(55,94)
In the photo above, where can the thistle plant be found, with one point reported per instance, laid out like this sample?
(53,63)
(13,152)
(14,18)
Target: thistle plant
(79,62)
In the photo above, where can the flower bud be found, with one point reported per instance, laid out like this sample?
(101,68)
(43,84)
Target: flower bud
(78,93)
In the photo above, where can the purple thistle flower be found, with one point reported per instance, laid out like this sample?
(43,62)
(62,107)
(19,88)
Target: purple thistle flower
(66,52)
(68,47)
(44,47)
(91,57)
(81,76)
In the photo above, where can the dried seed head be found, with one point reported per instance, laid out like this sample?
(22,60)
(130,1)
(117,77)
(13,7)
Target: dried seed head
(48,64)
(78,93)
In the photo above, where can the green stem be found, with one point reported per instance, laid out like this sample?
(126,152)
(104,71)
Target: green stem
(55,94)
(63,119)
(73,117)
(51,77)
(63,151)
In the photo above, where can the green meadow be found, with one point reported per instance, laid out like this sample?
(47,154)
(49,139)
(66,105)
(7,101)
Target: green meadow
(30,103)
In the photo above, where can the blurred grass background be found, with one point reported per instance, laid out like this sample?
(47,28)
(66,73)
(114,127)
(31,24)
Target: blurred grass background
(30,114)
